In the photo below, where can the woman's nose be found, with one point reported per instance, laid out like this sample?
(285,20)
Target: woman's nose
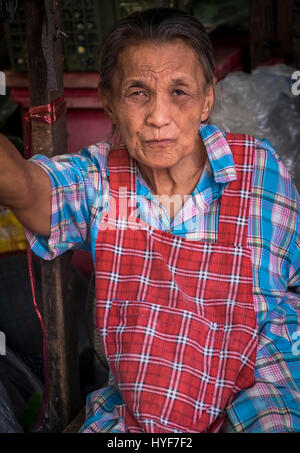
(159,113)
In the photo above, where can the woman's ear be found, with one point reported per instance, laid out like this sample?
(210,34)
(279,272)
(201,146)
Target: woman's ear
(106,101)
(209,100)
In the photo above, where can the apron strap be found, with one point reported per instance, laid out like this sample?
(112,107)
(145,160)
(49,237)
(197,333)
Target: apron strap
(122,180)
(235,201)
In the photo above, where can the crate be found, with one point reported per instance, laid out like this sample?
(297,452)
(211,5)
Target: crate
(15,36)
(125,7)
(86,22)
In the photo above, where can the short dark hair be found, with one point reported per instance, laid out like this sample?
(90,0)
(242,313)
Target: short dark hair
(156,25)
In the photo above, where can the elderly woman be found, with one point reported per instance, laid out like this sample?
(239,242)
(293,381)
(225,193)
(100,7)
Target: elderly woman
(194,234)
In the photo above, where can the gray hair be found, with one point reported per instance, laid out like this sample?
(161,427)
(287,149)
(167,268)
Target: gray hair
(156,25)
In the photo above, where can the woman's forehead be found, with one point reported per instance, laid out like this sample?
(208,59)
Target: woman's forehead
(148,60)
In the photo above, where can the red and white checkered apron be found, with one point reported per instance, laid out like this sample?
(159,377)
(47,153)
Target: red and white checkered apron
(176,317)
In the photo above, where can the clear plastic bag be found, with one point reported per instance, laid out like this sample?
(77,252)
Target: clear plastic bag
(262,104)
(20,395)
(8,421)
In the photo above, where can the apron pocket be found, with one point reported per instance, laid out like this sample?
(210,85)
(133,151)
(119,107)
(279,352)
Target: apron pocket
(167,363)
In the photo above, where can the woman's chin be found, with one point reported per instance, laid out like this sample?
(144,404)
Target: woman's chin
(158,162)
(158,157)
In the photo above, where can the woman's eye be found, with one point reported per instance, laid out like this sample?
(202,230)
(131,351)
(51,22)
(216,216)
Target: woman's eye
(137,96)
(179,92)
(137,93)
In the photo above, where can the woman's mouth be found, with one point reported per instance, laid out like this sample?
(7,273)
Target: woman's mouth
(161,142)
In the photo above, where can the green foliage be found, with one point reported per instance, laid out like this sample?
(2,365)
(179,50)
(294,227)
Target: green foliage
(213,13)
(29,416)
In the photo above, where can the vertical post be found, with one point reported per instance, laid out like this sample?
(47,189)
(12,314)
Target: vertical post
(58,299)
(270,30)
(261,31)
(284,26)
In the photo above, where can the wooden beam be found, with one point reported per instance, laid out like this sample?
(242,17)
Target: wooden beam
(270,30)
(58,299)
(261,31)
(71,79)
(284,24)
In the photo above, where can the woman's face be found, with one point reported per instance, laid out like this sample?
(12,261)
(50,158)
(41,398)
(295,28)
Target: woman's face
(159,99)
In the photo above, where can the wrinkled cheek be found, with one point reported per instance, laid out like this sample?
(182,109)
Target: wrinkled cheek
(125,131)
(126,126)
(130,138)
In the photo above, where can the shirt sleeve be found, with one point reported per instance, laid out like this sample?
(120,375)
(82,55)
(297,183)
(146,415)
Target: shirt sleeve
(102,410)
(77,185)
(272,404)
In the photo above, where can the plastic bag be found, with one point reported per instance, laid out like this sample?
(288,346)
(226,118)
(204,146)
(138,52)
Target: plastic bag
(262,104)
(20,395)
(8,421)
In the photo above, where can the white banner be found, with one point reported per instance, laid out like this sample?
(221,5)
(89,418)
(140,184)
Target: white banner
(2,84)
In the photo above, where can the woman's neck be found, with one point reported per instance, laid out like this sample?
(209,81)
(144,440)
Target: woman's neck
(172,186)
(178,179)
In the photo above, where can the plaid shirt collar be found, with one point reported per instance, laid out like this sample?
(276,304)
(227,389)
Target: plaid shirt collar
(219,153)
(218,172)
